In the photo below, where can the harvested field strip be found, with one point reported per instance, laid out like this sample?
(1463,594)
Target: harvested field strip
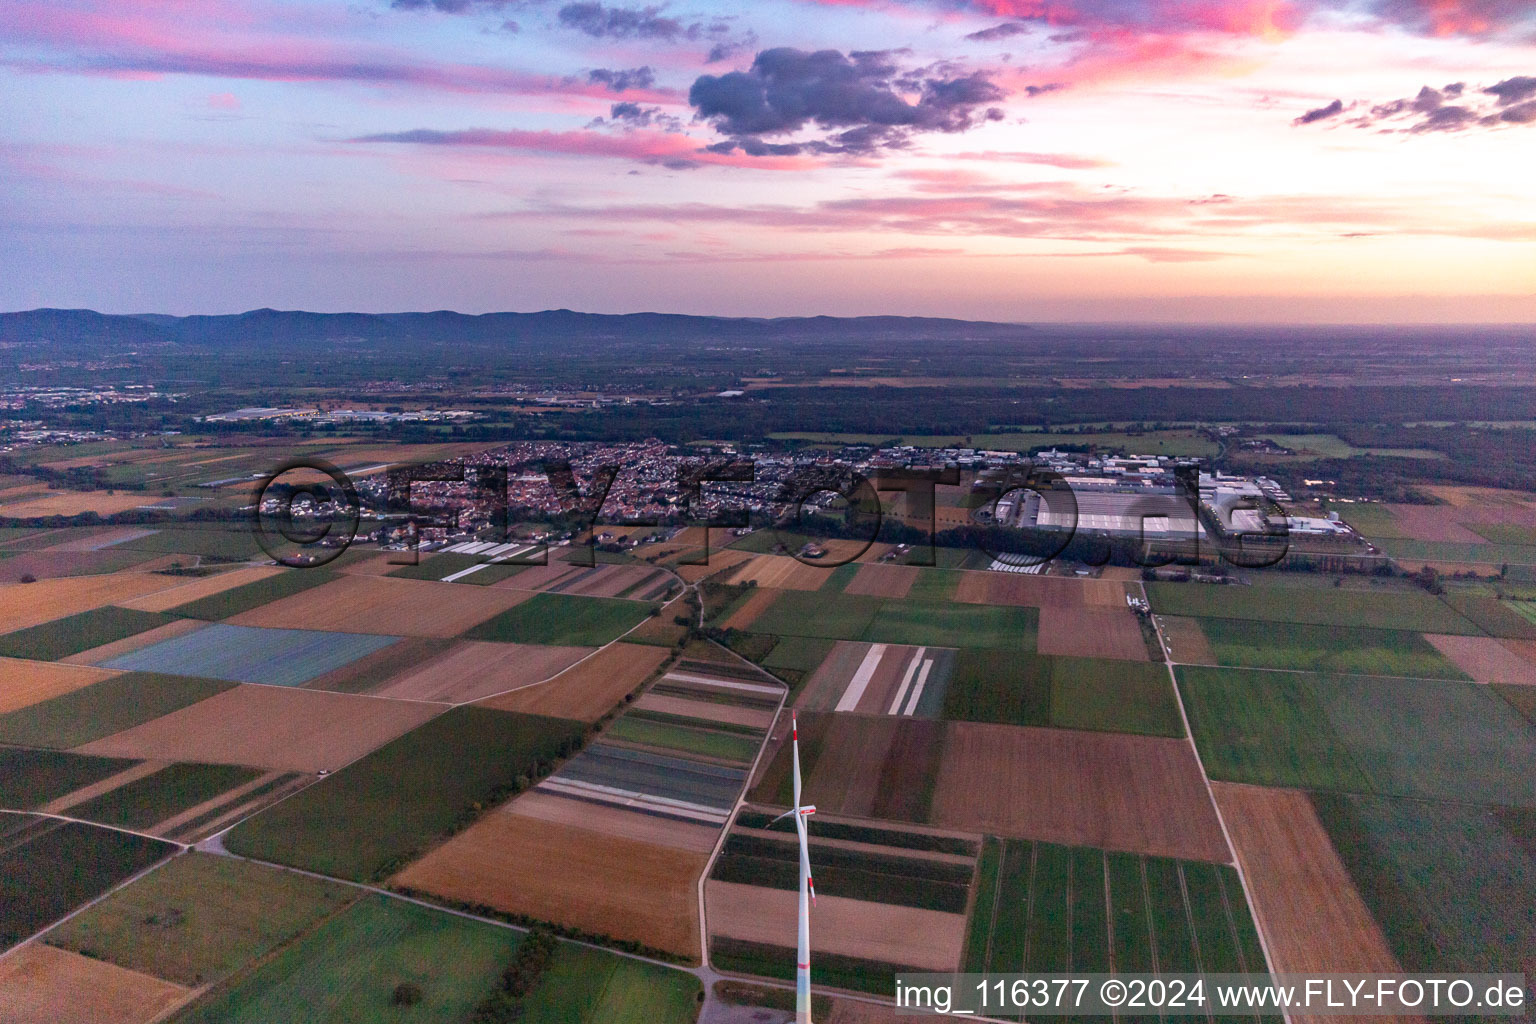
(137,771)
(187,822)
(34,892)
(1044,908)
(43,985)
(624,822)
(1432,740)
(1485,659)
(230,601)
(380,604)
(781,572)
(1312,914)
(245,654)
(143,802)
(747,612)
(588,690)
(1135,793)
(711,711)
(366,820)
(1388,609)
(277,728)
(773,860)
(562,619)
(599,883)
(31,682)
(687,739)
(112,705)
(347,969)
(1024,589)
(23,605)
(187,595)
(469,671)
(1280,645)
(1187,643)
(717,691)
(32,778)
(1415,862)
(63,637)
(199,917)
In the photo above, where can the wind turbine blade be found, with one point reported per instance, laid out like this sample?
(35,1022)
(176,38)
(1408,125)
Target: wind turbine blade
(794,739)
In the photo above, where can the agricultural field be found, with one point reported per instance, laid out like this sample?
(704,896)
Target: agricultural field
(198,918)
(1414,862)
(347,969)
(1487,659)
(1091,633)
(119,702)
(1012,588)
(469,671)
(1412,610)
(145,802)
(893,621)
(239,591)
(34,892)
(386,606)
(1074,693)
(1250,643)
(32,682)
(366,820)
(61,638)
(272,727)
(23,605)
(880,679)
(1043,907)
(563,620)
(585,691)
(1429,740)
(31,778)
(588,986)
(247,654)
(43,984)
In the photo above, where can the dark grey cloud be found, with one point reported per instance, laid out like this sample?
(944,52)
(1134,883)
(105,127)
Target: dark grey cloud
(1321,113)
(1007,30)
(618,80)
(853,98)
(602,22)
(626,114)
(1450,108)
(1040,90)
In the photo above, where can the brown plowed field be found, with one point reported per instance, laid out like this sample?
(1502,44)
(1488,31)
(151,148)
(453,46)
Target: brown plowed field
(382,666)
(906,936)
(883,580)
(1091,633)
(40,984)
(782,572)
(1485,505)
(1312,916)
(1187,641)
(616,821)
(1017,588)
(129,644)
(470,670)
(1485,659)
(31,604)
(179,594)
(611,580)
(72,503)
(1432,522)
(379,565)
(588,690)
(270,727)
(574,876)
(24,683)
(1120,792)
(539,577)
(381,604)
(52,564)
(709,711)
(868,766)
(747,612)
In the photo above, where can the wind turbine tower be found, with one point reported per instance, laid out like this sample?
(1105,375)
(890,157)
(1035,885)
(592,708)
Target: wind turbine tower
(807,888)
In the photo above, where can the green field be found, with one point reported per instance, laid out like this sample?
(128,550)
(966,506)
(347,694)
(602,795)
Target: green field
(154,798)
(1431,740)
(934,584)
(367,820)
(253,595)
(1371,519)
(725,745)
(859,874)
(827,969)
(1385,609)
(1072,693)
(1047,908)
(1514,620)
(235,544)
(1521,698)
(801,653)
(75,633)
(1413,552)
(101,709)
(563,620)
(30,778)
(34,891)
(1331,446)
(446,563)
(590,986)
(1453,886)
(898,621)
(1503,533)
(200,917)
(346,970)
(1286,645)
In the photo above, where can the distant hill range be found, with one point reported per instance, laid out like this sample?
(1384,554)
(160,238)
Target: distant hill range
(84,328)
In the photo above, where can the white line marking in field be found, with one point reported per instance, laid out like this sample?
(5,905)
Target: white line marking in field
(917,691)
(684,677)
(861,678)
(906,681)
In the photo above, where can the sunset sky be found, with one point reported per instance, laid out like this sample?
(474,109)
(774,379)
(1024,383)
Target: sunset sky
(1271,160)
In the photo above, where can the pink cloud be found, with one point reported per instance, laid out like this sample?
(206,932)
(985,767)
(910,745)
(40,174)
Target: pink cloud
(223,101)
